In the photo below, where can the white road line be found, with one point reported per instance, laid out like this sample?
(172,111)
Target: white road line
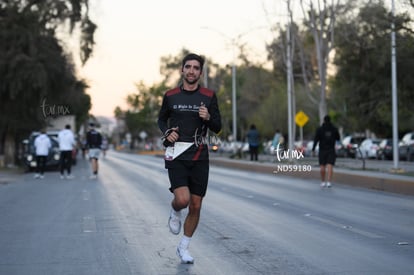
(88,224)
(345,227)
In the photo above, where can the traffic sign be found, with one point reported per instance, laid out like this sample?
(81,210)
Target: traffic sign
(301,118)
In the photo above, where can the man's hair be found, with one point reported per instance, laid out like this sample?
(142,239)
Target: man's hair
(67,126)
(327,119)
(193,56)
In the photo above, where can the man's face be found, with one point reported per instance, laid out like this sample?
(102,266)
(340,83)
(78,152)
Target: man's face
(191,71)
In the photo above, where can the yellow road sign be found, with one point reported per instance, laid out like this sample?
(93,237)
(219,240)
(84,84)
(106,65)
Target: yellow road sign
(301,118)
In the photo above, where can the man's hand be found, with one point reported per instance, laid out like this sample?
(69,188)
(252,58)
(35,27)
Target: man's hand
(203,112)
(173,136)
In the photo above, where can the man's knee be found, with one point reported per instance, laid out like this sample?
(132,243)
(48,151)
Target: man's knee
(181,197)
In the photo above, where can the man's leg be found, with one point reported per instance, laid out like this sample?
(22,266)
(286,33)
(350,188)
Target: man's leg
(190,225)
(62,163)
(191,221)
(330,172)
(181,198)
(94,165)
(69,162)
(323,174)
(42,166)
(180,201)
(256,153)
(37,170)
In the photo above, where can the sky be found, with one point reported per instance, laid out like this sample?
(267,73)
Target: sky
(133,35)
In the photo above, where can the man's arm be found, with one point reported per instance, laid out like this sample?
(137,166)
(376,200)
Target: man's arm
(338,137)
(316,139)
(214,123)
(87,143)
(163,116)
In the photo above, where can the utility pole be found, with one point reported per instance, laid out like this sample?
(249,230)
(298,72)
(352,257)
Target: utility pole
(233,41)
(394,92)
(289,83)
(233,99)
(205,74)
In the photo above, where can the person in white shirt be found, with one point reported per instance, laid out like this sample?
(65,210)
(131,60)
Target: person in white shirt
(42,144)
(66,141)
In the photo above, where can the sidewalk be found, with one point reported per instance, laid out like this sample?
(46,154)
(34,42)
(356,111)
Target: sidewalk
(377,180)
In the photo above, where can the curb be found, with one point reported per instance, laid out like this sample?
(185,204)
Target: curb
(371,180)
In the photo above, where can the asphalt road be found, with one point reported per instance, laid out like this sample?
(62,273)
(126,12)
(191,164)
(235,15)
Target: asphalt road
(251,223)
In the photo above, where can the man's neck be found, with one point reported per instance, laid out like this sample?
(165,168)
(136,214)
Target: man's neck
(190,87)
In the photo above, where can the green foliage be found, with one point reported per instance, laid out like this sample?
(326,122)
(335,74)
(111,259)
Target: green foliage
(143,109)
(37,77)
(359,86)
(363,79)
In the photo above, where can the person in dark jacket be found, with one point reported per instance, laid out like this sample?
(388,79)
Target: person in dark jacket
(93,145)
(186,114)
(326,135)
(253,138)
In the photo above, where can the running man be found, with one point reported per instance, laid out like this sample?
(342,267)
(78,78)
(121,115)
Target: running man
(186,114)
(93,145)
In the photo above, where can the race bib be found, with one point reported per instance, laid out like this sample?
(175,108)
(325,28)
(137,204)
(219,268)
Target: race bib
(177,149)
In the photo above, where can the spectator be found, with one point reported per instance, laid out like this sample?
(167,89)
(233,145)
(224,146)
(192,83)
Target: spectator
(66,145)
(326,135)
(253,140)
(93,145)
(42,144)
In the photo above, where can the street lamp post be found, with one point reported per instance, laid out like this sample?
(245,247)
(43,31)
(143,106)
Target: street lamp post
(394,93)
(233,100)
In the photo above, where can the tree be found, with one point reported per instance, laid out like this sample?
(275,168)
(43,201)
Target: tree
(363,79)
(34,68)
(311,43)
(320,20)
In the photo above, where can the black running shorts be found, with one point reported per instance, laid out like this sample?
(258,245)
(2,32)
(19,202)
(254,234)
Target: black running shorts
(193,174)
(327,157)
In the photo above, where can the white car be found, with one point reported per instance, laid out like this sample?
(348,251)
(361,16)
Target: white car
(406,147)
(368,148)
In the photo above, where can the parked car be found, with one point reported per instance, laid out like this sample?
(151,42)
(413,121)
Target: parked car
(340,149)
(308,149)
(406,147)
(351,144)
(368,148)
(29,156)
(385,151)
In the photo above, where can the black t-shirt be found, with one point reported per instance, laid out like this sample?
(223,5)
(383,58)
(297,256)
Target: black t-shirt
(93,139)
(180,109)
(326,135)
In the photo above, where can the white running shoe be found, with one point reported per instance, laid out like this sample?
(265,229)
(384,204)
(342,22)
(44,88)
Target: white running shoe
(69,177)
(93,177)
(174,222)
(328,184)
(42,177)
(323,184)
(62,177)
(36,176)
(185,256)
